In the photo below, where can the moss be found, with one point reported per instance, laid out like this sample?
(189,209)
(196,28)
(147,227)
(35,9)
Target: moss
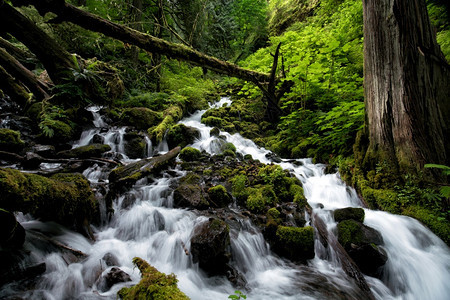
(135,148)
(238,187)
(230,146)
(214,122)
(296,242)
(219,195)
(349,232)
(62,132)
(229,153)
(181,135)
(440,226)
(34,111)
(214,132)
(171,115)
(297,194)
(93,150)
(140,117)
(153,285)
(64,198)
(273,214)
(10,140)
(248,157)
(260,197)
(190,154)
(348,213)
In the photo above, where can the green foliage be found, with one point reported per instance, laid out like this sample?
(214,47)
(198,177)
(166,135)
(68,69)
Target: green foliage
(260,197)
(237,295)
(238,187)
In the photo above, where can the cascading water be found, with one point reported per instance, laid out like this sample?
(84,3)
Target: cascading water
(146,225)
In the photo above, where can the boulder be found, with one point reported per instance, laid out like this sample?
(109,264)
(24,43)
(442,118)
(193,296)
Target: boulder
(10,140)
(189,193)
(181,135)
(190,154)
(349,213)
(135,145)
(140,117)
(295,243)
(363,244)
(12,234)
(210,246)
(214,132)
(219,196)
(114,276)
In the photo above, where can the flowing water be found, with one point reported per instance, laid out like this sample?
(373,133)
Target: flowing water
(146,225)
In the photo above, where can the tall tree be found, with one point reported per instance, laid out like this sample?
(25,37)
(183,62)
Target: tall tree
(407,85)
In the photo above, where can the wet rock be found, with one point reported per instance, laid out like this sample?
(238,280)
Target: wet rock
(190,154)
(98,139)
(363,244)
(189,193)
(32,161)
(181,135)
(93,150)
(110,259)
(210,246)
(273,157)
(348,213)
(214,132)
(135,146)
(219,196)
(44,150)
(236,278)
(140,117)
(114,276)
(12,234)
(295,243)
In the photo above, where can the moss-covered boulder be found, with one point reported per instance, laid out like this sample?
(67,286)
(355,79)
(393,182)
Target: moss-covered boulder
(10,140)
(295,243)
(219,196)
(135,145)
(349,213)
(64,198)
(363,244)
(58,132)
(189,193)
(190,154)
(12,234)
(214,132)
(181,135)
(93,150)
(140,117)
(210,246)
(153,285)
(170,116)
(260,197)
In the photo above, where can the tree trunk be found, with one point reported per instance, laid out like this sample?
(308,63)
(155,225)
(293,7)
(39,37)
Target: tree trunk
(56,60)
(23,56)
(16,69)
(406,80)
(68,12)
(136,23)
(13,89)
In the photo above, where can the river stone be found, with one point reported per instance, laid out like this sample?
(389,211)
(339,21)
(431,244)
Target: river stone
(348,213)
(181,135)
(363,244)
(93,150)
(210,246)
(12,234)
(219,196)
(214,132)
(114,276)
(135,146)
(110,259)
(189,193)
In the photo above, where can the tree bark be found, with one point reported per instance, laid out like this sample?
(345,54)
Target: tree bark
(13,89)
(23,56)
(16,69)
(70,13)
(407,85)
(56,60)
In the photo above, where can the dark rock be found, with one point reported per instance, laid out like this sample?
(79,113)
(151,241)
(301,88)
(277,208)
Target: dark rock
(12,234)
(210,246)
(348,213)
(236,278)
(273,157)
(10,141)
(110,260)
(189,193)
(363,244)
(114,276)
(214,132)
(32,161)
(181,135)
(44,150)
(135,148)
(219,196)
(98,139)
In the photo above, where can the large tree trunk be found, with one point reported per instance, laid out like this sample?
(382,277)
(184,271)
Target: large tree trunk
(68,12)
(56,60)
(407,85)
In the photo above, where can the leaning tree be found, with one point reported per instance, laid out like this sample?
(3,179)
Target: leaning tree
(407,86)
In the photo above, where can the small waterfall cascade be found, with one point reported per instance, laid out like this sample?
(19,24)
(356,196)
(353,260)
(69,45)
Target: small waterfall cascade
(146,225)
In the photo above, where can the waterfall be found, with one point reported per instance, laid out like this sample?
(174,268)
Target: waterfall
(146,225)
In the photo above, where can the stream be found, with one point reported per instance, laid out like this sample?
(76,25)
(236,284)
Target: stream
(418,265)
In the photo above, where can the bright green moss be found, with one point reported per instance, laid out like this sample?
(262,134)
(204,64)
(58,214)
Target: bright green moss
(296,242)
(349,232)
(219,195)
(140,117)
(10,140)
(260,197)
(238,187)
(190,154)
(153,285)
(94,150)
(440,226)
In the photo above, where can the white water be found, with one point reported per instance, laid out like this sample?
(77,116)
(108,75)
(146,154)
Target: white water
(145,225)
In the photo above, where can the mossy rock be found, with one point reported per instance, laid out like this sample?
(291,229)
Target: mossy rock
(260,197)
(140,117)
(10,140)
(135,148)
(34,111)
(349,213)
(214,132)
(214,122)
(64,198)
(12,234)
(153,285)
(61,132)
(297,193)
(210,246)
(190,154)
(219,196)
(239,189)
(181,135)
(189,193)
(295,243)
(230,147)
(93,150)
